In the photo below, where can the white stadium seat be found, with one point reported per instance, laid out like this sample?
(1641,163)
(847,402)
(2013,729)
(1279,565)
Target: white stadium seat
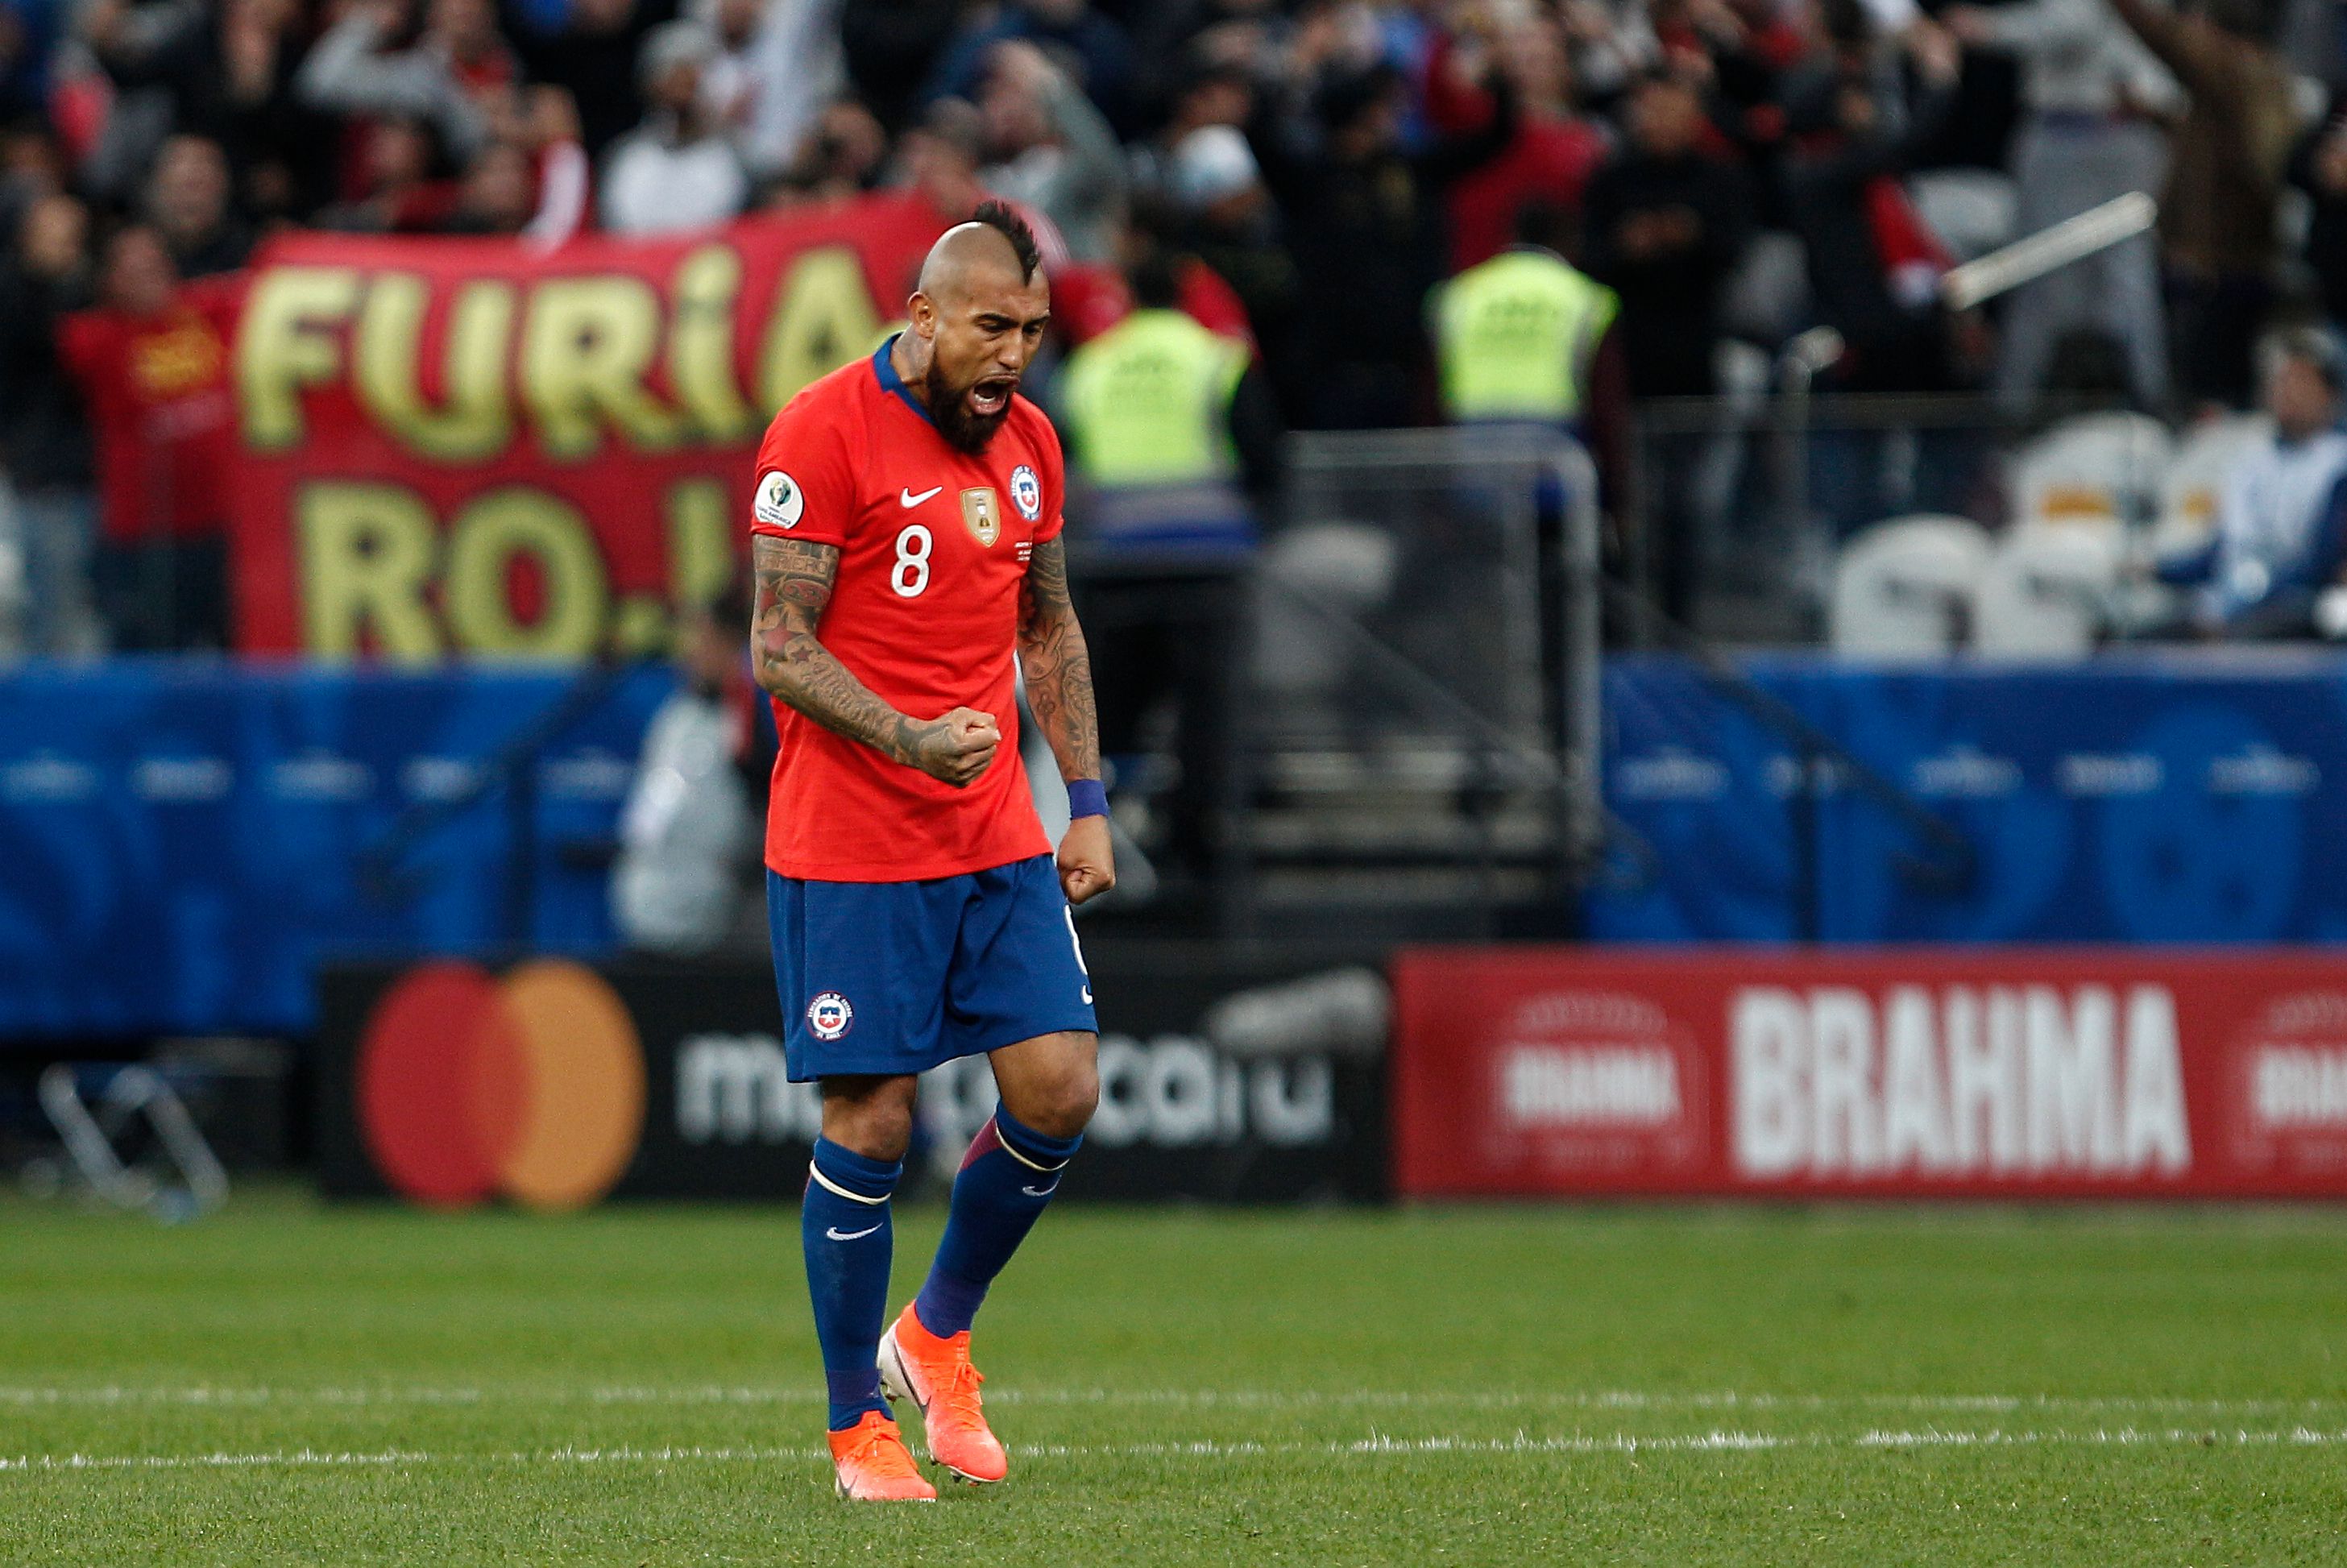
(2045,593)
(1904,589)
(2098,469)
(2195,480)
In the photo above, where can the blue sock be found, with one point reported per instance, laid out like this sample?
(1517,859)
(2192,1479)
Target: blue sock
(843,1226)
(1007,1178)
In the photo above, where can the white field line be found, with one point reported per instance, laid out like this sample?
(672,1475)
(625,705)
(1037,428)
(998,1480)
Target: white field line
(1375,1446)
(233,1396)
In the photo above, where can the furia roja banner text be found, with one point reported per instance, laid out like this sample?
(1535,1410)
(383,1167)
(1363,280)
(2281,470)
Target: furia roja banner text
(469,448)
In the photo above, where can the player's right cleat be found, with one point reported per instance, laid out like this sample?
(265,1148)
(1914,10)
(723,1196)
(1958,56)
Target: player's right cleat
(874,1466)
(937,1376)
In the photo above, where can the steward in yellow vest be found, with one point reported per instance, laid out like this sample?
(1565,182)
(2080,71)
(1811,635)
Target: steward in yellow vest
(1518,335)
(1168,431)
(1147,410)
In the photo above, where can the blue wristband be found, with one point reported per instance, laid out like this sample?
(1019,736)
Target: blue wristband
(1086,797)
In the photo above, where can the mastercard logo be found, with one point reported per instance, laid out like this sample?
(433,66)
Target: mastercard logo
(530,1086)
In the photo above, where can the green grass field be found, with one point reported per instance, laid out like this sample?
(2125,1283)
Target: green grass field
(287,1383)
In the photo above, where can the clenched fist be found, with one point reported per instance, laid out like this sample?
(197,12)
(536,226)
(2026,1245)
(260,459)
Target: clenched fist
(1087,866)
(956,747)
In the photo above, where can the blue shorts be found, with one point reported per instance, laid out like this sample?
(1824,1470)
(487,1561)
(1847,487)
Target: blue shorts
(897,976)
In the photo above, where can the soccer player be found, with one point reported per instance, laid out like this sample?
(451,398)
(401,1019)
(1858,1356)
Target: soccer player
(906,541)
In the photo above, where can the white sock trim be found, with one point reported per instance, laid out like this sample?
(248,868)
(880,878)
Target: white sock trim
(829,1186)
(1031,1164)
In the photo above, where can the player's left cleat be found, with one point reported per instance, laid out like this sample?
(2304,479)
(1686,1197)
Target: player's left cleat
(873,1466)
(937,1376)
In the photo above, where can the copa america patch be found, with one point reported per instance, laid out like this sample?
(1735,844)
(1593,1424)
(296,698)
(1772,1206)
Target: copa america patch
(1026,492)
(781,503)
(829,1016)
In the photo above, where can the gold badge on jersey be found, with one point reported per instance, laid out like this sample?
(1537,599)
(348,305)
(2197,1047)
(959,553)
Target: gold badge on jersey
(983,514)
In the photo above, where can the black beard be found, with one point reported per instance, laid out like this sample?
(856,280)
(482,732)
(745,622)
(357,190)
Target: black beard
(963,431)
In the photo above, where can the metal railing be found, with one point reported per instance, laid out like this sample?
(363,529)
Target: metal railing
(1738,506)
(1419,720)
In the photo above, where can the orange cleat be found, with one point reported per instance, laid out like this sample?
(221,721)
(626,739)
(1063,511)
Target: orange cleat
(874,1465)
(937,1376)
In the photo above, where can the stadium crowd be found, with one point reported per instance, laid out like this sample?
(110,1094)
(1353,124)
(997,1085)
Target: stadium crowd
(1723,167)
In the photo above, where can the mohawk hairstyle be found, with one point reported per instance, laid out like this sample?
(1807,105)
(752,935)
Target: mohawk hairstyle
(1004,220)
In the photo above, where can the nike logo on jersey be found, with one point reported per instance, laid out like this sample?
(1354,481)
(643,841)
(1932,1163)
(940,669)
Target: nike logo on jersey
(1088,996)
(905,497)
(835,1234)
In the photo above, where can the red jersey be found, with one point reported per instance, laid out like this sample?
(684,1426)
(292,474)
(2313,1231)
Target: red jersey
(157,395)
(933,547)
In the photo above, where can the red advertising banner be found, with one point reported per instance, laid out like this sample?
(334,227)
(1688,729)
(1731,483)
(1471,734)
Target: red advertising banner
(1891,1073)
(452,448)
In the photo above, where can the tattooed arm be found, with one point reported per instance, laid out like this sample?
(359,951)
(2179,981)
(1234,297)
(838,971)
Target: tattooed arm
(1059,670)
(794,579)
(1058,667)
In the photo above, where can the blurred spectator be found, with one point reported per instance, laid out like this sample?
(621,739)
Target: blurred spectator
(1167,431)
(403,185)
(1365,223)
(676,171)
(1208,97)
(2281,539)
(225,72)
(443,76)
(44,438)
(595,56)
(188,203)
(888,44)
(2086,138)
(32,169)
(2226,163)
(692,834)
(1050,149)
(1555,151)
(776,71)
(1224,214)
(1613,43)
(1097,48)
(152,360)
(498,195)
(2319,167)
(1873,269)
(843,158)
(1664,223)
(937,160)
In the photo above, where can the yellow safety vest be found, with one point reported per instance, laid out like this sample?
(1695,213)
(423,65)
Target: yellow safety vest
(1516,335)
(1148,402)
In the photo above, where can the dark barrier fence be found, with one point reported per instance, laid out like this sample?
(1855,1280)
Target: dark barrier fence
(2192,795)
(1247,1075)
(181,846)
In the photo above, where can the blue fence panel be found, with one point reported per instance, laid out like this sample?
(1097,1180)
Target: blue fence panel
(2196,796)
(181,841)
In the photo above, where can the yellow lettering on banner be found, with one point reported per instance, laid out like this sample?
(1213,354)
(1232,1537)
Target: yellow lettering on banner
(284,345)
(701,344)
(823,318)
(585,352)
(476,422)
(366,563)
(482,547)
(701,560)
